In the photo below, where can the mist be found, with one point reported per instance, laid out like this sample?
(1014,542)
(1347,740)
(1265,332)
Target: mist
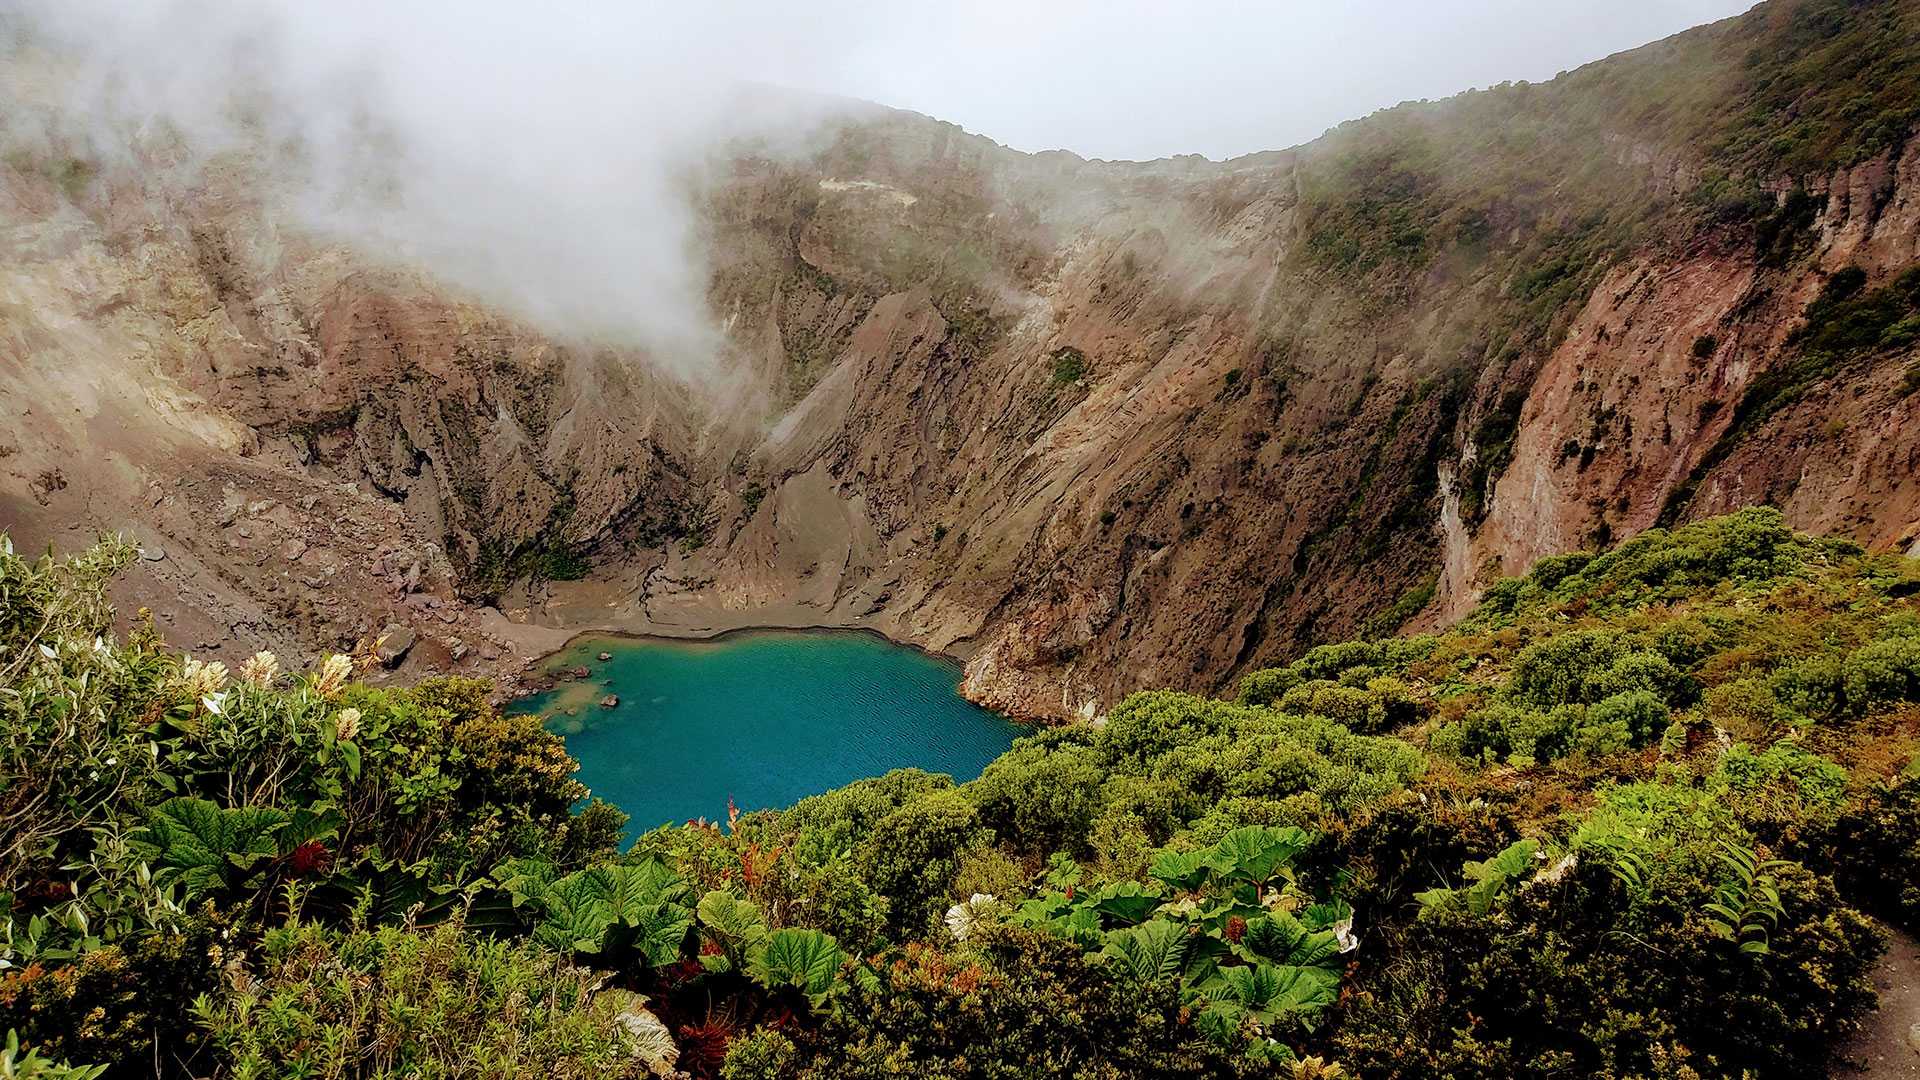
(548,167)
(547,159)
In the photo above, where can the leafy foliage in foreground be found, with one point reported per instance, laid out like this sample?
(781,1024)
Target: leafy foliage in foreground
(1622,821)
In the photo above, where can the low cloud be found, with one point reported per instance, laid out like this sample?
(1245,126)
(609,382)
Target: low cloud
(545,159)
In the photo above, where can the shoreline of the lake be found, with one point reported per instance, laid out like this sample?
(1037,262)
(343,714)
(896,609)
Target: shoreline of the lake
(804,710)
(714,636)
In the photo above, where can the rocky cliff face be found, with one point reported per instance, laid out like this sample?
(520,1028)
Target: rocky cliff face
(1092,426)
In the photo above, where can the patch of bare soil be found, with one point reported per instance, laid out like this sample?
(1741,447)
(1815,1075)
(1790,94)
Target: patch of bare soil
(1888,1048)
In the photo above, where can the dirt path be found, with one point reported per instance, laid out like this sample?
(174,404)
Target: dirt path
(1888,1048)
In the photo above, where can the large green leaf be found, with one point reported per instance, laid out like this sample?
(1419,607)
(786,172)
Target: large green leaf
(659,931)
(1252,985)
(574,916)
(1256,852)
(1156,949)
(1280,938)
(732,923)
(806,960)
(608,910)
(633,887)
(1326,915)
(1273,988)
(1187,869)
(205,847)
(1490,879)
(1304,989)
(1515,860)
(525,879)
(1125,902)
(1056,914)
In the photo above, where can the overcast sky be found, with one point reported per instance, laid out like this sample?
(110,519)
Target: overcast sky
(1133,79)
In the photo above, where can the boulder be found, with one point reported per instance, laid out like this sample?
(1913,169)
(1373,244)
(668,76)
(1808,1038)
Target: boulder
(396,640)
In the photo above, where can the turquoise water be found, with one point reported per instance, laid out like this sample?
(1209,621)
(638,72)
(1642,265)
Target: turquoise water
(765,718)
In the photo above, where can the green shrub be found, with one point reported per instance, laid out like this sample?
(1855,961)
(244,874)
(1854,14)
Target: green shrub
(1747,708)
(114,1003)
(914,853)
(1040,798)
(1814,687)
(1639,714)
(1747,549)
(390,1003)
(1874,847)
(1268,685)
(1883,672)
(1782,790)
(17,1063)
(1550,980)
(1069,366)
(1006,1002)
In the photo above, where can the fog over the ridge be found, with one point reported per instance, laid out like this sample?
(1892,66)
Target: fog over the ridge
(543,164)
(542,156)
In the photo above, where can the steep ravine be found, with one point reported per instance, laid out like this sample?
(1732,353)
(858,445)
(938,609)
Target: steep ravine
(1091,426)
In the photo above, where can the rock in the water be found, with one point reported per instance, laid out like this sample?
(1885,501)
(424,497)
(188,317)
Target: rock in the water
(610,701)
(581,672)
(394,643)
(605,656)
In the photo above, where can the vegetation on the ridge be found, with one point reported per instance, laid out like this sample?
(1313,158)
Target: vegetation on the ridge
(1491,216)
(1787,89)
(1622,821)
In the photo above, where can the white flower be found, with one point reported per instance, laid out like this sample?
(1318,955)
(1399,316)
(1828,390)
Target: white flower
(346,724)
(260,669)
(332,675)
(203,678)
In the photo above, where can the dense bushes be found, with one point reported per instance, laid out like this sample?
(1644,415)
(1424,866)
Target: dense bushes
(389,1002)
(1573,976)
(1615,824)
(1164,765)
(1007,1003)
